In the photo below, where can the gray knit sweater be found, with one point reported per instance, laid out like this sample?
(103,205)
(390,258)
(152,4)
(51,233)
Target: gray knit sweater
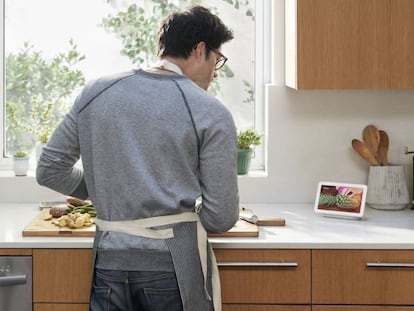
(141,158)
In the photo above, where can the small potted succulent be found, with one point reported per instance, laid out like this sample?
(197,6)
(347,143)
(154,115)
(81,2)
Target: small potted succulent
(246,141)
(20,162)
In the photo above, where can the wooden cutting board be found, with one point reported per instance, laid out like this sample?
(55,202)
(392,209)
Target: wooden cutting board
(44,228)
(242,228)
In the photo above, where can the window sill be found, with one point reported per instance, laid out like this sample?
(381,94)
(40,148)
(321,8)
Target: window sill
(254,174)
(10,174)
(25,189)
(7,173)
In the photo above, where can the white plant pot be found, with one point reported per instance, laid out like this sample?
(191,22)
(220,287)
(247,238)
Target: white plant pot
(20,166)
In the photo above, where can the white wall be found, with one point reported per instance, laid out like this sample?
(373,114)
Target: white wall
(309,138)
(310,134)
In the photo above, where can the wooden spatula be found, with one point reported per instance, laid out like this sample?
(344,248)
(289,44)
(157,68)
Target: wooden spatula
(383,148)
(362,149)
(371,137)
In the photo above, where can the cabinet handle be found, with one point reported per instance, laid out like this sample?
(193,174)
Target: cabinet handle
(12,280)
(390,265)
(258,264)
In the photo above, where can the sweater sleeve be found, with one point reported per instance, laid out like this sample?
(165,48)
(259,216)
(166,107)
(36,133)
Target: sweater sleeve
(218,175)
(56,167)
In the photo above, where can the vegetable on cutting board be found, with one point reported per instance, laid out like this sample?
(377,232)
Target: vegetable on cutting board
(74,220)
(76,214)
(57,211)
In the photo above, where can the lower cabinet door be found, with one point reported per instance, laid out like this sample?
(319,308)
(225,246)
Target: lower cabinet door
(264,276)
(363,277)
(62,275)
(361,308)
(60,307)
(231,307)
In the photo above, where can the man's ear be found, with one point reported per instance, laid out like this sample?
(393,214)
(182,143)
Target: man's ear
(200,50)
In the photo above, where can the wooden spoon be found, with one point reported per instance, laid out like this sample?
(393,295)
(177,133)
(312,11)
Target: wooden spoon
(371,137)
(383,148)
(362,149)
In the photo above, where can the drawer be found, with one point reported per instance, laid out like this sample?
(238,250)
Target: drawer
(361,308)
(15,252)
(264,276)
(265,308)
(363,277)
(60,307)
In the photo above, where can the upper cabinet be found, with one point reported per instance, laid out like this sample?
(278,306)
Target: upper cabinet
(350,44)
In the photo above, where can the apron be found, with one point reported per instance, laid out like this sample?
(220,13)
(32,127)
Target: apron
(143,228)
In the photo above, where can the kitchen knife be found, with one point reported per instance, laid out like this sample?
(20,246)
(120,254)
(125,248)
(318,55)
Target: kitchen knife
(248,215)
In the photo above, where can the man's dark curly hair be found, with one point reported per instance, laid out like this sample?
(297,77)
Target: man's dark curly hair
(181,32)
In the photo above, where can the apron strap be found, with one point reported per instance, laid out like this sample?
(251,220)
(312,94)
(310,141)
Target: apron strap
(143,228)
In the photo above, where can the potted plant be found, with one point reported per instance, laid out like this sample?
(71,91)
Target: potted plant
(20,162)
(246,141)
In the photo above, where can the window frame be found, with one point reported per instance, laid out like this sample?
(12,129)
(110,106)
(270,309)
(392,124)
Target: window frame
(263,65)
(263,48)
(5,163)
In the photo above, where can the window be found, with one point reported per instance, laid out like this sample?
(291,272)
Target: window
(51,48)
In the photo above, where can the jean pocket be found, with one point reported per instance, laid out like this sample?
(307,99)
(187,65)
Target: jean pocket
(101,298)
(163,299)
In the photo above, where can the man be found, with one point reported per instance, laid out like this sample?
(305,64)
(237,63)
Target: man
(158,156)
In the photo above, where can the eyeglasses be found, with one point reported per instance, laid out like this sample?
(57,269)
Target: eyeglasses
(221,60)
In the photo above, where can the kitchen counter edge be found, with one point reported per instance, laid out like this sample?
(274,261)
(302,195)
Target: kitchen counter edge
(303,230)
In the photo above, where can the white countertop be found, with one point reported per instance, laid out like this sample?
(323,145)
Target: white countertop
(15,216)
(304,230)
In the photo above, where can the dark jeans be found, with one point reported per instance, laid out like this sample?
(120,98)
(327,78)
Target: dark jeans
(135,291)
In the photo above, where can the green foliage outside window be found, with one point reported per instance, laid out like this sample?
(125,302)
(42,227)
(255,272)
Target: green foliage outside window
(138,27)
(38,93)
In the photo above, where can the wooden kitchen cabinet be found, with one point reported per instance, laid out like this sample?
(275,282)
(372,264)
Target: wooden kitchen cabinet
(349,44)
(257,279)
(61,276)
(15,252)
(60,307)
(363,277)
(264,277)
(236,307)
(361,308)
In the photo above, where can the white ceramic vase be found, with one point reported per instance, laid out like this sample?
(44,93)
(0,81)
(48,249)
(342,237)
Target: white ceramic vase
(387,188)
